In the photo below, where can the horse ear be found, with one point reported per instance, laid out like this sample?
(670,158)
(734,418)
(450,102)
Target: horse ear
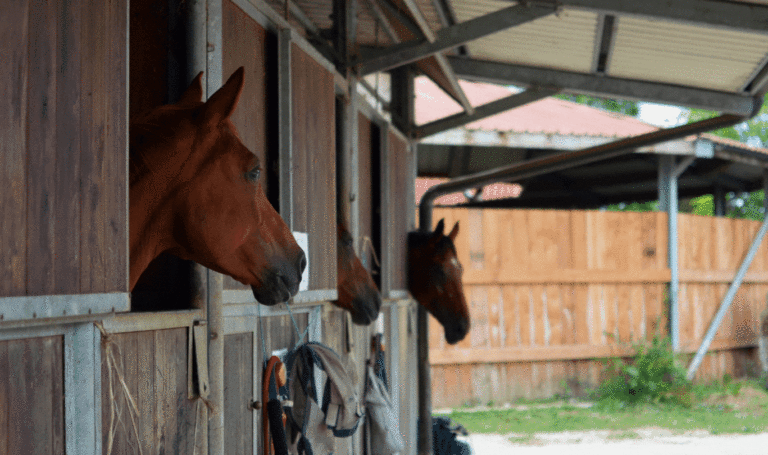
(193,93)
(439,229)
(221,105)
(454,232)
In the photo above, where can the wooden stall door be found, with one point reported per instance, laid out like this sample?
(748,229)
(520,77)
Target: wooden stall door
(63,150)
(313,166)
(144,395)
(32,396)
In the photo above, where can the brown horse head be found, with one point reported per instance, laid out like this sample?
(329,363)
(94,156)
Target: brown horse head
(357,291)
(434,279)
(195,192)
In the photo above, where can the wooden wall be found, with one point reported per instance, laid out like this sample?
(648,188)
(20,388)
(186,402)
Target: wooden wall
(245,44)
(314,169)
(553,292)
(32,396)
(397,214)
(153,367)
(241,358)
(63,151)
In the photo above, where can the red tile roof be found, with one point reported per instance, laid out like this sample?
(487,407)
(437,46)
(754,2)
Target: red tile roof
(549,115)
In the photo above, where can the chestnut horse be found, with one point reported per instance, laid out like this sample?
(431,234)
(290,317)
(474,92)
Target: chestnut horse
(358,293)
(434,279)
(195,192)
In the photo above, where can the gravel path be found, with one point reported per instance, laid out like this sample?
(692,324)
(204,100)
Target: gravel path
(606,443)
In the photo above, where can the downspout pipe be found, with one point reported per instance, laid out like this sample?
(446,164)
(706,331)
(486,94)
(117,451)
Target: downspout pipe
(533,168)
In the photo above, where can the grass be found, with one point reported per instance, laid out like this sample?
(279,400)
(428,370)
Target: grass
(725,407)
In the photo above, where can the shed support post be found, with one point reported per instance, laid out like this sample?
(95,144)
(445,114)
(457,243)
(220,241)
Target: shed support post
(212,63)
(719,200)
(347,185)
(669,172)
(727,300)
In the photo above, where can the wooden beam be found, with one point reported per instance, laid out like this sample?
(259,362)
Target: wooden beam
(557,352)
(450,37)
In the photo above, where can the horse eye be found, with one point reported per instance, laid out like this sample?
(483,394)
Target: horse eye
(254,174)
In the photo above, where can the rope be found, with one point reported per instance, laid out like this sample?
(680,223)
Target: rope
(133,410)
(300,335)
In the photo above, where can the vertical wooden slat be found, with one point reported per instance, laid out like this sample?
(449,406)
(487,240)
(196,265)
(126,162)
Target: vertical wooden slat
(116,158)
(68,145)
(238,391)
(92,146)
(147,390)
(32,392)
(14,69)
(41,143)
(5,398)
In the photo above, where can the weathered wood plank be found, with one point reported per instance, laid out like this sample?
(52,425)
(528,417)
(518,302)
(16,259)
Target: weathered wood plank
(314,174)
(33,420)
(14,69)
(238,392)
(116,157)
(68,145)
(93,130)
(41,144)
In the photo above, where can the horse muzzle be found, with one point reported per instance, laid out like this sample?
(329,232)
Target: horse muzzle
(456,332)
(366,309)
(282,282)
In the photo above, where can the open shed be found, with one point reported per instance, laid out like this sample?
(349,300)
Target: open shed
(79,361)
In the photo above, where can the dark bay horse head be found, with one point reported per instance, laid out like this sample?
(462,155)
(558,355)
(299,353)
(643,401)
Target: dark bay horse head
(434,279)
(195,192)
(358,293)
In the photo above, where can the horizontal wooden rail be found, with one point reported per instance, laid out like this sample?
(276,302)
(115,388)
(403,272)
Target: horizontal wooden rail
(573,276)
(566,276)
(556,352)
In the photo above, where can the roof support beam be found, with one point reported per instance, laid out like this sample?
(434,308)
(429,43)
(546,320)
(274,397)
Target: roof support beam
(504,73)
(481,112)
(450,37)
(730,15)
(445,67)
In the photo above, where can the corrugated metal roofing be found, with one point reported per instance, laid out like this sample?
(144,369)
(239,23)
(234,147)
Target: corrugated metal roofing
(565,40)
(683,54)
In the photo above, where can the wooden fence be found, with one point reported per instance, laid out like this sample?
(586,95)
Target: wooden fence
(554,293)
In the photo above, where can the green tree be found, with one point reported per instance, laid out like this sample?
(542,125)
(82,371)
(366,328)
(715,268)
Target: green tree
(625,107)
(753,132)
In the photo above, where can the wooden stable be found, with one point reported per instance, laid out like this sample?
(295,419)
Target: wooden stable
(554,293)
(87,367)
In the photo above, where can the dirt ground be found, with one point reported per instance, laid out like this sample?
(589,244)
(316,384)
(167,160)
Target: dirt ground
(644,442)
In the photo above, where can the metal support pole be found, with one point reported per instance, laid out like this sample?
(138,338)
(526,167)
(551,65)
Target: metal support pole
(719,201)
(669,173)
(215,282)
(727,300)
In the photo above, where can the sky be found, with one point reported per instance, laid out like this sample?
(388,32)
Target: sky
(661,115)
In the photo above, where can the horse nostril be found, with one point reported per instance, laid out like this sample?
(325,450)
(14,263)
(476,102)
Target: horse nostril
(302,262)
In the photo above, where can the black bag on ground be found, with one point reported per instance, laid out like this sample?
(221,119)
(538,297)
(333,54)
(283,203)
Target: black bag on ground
(444,438)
